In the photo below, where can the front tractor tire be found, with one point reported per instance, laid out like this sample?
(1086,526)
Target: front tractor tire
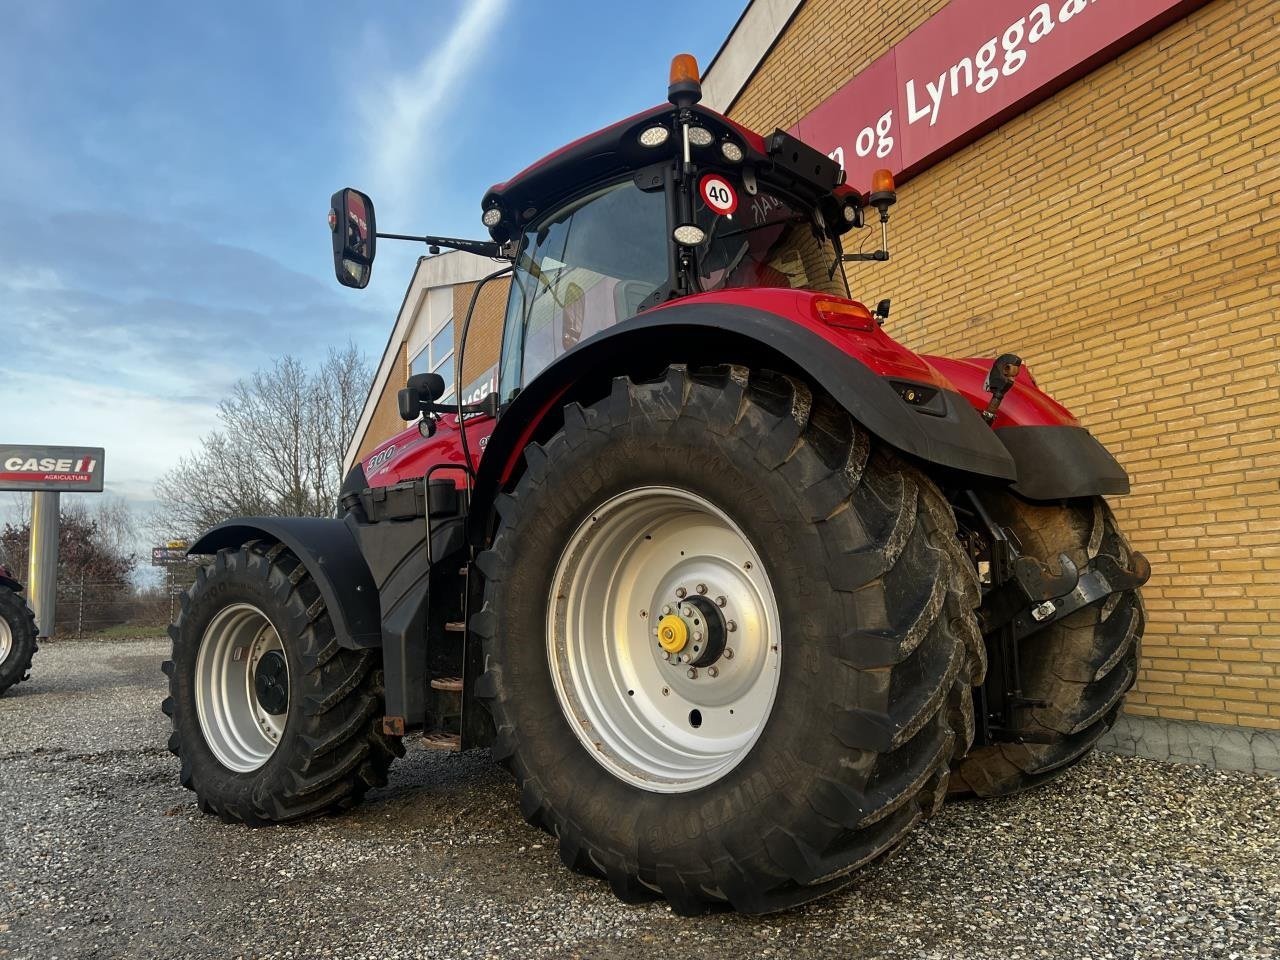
(1080,666)
(729,643)
(17,639)
(273,720)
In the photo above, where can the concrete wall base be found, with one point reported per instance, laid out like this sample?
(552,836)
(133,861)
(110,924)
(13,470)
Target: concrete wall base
(1185,741)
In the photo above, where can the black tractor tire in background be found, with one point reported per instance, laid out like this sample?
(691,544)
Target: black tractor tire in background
(332,749)
(20,624)
(881,644)
(1083,664)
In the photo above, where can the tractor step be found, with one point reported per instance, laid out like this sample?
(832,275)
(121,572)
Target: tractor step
(455,626)
(449,684)
(438,740)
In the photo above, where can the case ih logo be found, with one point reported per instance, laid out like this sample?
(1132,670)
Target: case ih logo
(51,468)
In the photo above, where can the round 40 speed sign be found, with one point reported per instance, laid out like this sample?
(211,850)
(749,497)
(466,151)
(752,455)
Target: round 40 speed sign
(718,194)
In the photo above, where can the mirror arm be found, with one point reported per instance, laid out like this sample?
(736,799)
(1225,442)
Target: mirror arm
(484,248)
(487,405)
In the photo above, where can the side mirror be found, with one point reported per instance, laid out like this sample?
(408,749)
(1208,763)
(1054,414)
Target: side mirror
(354,230)
(422,389)
(430,385)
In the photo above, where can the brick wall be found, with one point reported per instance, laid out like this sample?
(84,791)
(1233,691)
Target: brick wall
(1122,237)
(486,325)
(482,353)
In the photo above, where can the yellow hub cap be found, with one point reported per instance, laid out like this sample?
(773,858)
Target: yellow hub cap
(672,633)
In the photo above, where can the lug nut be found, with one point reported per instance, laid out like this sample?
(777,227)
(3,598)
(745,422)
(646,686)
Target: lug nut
(731,626)
(701,588)
(667,609)
(681,592)
(728,653)
(712,672)
(687,611)
(666,656)
(693,673)
(720,601)
(684,658)
(697,635)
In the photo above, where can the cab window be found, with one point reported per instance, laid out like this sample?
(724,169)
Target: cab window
(765,242)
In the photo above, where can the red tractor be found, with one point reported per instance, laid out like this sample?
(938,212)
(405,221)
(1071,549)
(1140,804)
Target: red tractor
(736,587)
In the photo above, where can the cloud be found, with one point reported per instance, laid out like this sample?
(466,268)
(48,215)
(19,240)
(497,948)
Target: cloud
(121,332)
(403,110)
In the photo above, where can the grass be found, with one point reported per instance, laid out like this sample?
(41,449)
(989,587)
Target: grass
(128,631)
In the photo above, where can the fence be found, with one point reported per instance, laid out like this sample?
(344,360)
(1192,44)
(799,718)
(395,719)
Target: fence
(87,609)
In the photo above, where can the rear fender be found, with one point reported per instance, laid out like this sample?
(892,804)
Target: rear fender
(726,329)
(331,555)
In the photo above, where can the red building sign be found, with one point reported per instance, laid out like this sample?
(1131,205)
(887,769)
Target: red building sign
(965,70)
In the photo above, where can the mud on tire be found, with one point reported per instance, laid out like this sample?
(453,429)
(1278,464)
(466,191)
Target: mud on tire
(1083,664)
(17,639)
(331,749)
(880,642)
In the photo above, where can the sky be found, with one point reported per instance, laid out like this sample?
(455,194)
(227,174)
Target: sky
(167,169)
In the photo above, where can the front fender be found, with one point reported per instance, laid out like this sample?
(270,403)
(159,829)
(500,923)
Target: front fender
(952,435)
(1057,458)
(332,557)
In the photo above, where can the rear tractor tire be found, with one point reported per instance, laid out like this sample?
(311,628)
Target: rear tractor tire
(17,639)
(273,720)
(1083,665)
(729,643)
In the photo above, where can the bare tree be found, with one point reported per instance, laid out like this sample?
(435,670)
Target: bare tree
(279,451)
(108,516)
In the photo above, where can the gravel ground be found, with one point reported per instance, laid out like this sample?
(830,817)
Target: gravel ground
(102,854)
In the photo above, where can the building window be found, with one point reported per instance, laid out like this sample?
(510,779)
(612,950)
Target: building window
(437,357)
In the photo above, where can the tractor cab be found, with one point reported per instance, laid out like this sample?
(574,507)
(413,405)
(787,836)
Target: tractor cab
(672,203)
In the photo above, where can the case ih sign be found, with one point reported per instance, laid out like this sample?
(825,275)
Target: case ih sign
(967,69)
(71,469)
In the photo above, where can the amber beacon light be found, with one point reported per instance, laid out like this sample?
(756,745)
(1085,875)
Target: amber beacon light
(882,181)
(684,89)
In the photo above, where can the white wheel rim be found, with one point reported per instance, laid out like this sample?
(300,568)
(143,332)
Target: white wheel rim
(642,716)
(6,640)
(238,644)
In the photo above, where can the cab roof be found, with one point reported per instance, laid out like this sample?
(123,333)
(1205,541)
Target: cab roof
(615,151)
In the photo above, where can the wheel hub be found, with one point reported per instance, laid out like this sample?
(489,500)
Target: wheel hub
(707,627)
(271,681)
(673,633)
